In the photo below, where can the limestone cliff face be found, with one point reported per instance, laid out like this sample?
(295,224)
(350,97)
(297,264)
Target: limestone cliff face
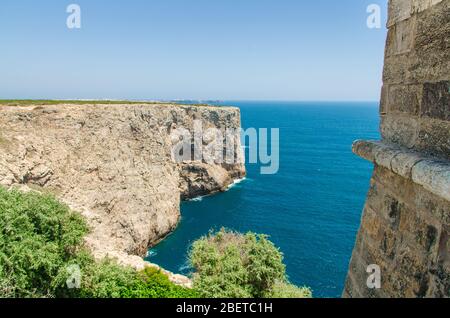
(113,164)
(405,228)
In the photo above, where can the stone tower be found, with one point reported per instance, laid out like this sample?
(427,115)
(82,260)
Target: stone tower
(405,227)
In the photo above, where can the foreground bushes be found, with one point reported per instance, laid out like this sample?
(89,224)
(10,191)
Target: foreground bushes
(229,264)
(38,237)
(41,238)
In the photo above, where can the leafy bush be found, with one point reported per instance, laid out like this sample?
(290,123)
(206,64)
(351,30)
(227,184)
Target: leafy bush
(229,265)
(287,290)
(151,283)
(106,279)
(40,239)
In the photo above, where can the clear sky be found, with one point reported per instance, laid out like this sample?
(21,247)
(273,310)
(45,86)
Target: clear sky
(191,49)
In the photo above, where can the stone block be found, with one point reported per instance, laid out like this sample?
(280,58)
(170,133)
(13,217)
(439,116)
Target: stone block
(420,232)
(403,162)
(432,28)
(434,138)
(405,99)
(396,186)
(400,37)
(431,45)
(401,130)
(366,150)
(385,156)
(396,69)
(436,100)
(436,207)
(421,5)
(433,176)
(372,224)
(399,10)
(413,265)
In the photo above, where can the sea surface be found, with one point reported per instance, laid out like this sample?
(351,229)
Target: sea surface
(311,208)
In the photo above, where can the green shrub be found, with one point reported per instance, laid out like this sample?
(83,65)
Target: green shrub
(41,238)
(287,290)
(38,237)
(152,283)
(228,264)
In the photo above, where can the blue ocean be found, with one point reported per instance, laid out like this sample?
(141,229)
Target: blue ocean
(311,208)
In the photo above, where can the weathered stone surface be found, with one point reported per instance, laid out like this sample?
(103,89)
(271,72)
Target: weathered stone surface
(403,163)
(366,149)
(418,46)
(405,99)
(397,69)
(400,37)
(399,10)
(434,138)
(402,231)
(384,99)
(431,45)
(400,129)
(421,5)
(436,100)
(412,270)
(433,175)
(113,164)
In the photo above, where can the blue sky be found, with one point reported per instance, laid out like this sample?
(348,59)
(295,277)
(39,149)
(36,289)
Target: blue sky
(192,49)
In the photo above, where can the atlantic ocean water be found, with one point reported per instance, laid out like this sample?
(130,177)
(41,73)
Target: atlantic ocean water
(311,208)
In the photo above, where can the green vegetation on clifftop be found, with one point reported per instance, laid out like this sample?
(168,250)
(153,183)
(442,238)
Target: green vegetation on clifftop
(47,102)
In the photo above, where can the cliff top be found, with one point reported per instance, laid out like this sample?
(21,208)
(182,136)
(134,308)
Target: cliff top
(51,102)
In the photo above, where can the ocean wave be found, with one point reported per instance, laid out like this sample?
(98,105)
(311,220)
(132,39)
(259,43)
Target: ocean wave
(184,268)
(236,182)
(151,253)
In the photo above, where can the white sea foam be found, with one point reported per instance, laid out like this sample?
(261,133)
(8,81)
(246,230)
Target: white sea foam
(236,182)
(184,268)
(151,253)
(197,199)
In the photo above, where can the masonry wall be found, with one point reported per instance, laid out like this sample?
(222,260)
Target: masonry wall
(406,220)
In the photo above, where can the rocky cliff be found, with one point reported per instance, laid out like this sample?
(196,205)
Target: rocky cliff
(405,228)
(113,163)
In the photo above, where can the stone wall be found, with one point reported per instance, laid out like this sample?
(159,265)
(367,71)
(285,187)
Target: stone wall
(406,221)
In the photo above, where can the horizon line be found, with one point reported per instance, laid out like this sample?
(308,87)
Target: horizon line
(197,100)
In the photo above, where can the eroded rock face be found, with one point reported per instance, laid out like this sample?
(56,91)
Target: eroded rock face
(113,163)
